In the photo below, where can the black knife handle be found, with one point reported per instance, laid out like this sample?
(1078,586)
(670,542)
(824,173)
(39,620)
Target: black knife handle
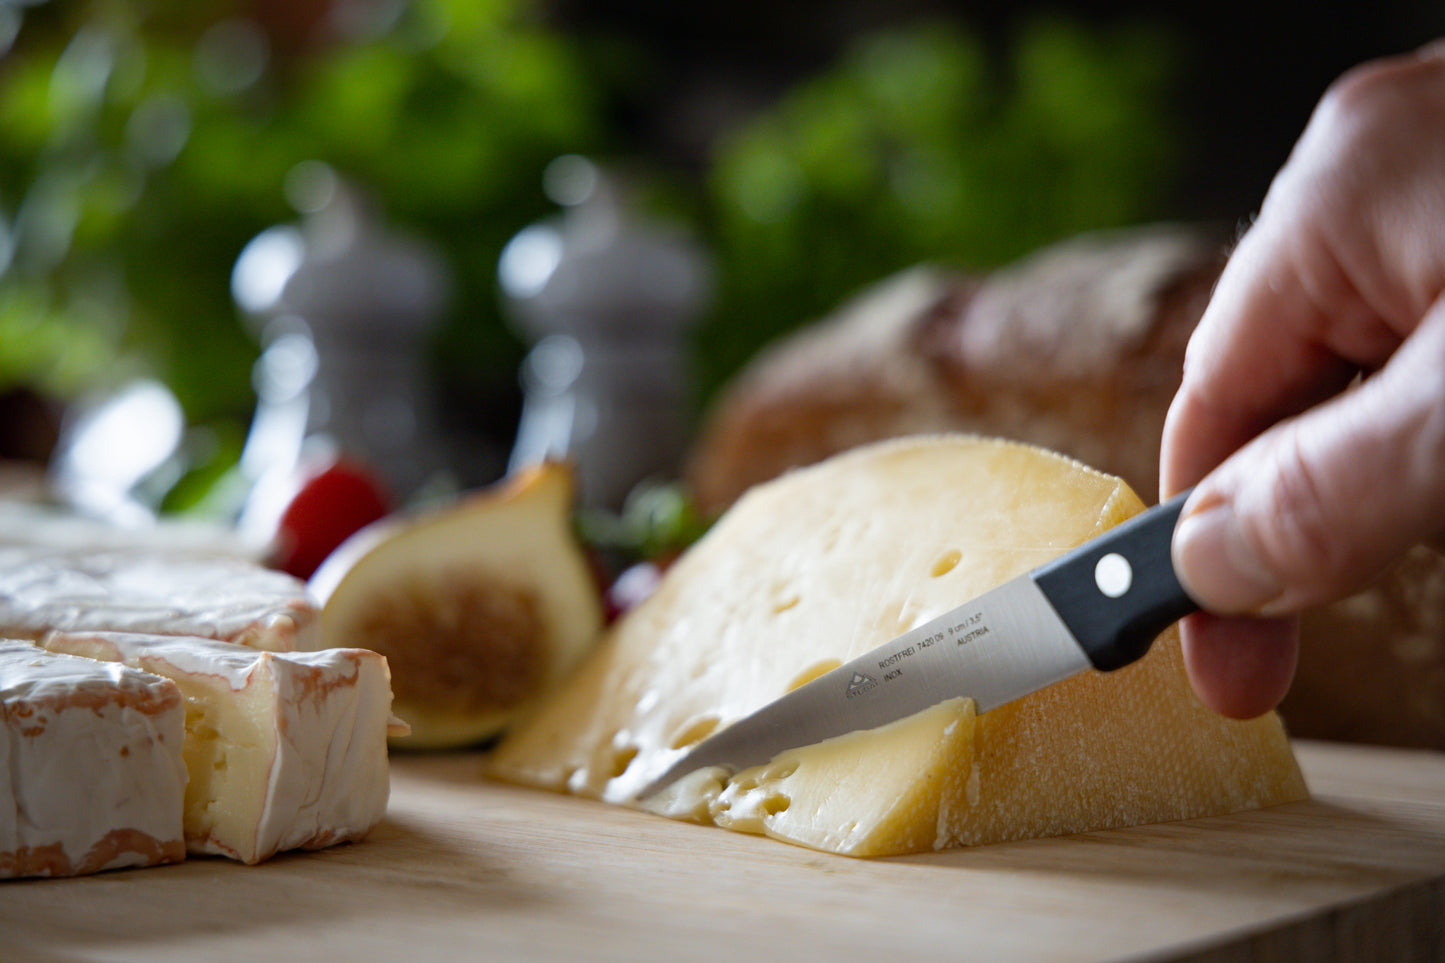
(1117,592)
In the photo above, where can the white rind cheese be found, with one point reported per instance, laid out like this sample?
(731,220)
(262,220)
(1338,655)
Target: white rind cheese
(284,750)
(223,598)
(91,770)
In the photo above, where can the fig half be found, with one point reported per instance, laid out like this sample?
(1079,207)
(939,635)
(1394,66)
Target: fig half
(479,607)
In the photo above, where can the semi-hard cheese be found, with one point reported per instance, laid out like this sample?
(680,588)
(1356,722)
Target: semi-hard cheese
(284,750)
(132,590)
(827,562)
(91,775)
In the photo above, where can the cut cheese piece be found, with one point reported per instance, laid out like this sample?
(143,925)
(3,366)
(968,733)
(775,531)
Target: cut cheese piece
(828,562)
(212,597)
(284,750)
(91,776)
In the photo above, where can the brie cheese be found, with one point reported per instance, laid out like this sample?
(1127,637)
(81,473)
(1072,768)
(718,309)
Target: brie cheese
(284,750)
(91,771)
(212,597)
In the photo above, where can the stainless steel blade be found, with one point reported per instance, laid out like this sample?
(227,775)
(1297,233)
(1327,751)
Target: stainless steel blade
(1003,644)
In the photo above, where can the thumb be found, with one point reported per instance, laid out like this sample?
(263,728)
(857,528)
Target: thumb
(1313,508)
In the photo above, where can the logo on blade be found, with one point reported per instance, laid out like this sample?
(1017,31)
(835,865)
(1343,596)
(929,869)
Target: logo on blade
(860,684)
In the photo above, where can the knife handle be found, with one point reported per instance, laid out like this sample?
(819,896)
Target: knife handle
(1117,592)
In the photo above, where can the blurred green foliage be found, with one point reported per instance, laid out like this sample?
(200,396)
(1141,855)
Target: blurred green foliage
(143,144)
(656,522)
(925,145)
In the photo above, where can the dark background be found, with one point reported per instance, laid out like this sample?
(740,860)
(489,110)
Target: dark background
(451,139)
(1251,72)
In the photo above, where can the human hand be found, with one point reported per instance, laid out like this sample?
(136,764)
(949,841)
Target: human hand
(1310,478)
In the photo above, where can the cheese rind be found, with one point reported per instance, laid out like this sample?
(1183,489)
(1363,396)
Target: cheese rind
(831,561)
(212,597)
(284,750)
(91,770)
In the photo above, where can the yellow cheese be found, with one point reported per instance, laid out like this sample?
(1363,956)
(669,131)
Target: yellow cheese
(827,562)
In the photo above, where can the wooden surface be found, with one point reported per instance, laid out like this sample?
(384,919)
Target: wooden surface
(467,870)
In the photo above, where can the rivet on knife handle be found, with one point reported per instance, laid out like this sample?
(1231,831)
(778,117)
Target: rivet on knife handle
(1118,592)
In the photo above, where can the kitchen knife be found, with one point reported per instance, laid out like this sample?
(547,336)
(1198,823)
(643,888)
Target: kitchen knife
(1097,606)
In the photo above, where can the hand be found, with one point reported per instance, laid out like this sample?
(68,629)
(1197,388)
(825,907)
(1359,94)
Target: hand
(1312,409)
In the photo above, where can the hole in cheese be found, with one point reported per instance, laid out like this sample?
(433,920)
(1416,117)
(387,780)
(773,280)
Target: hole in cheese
(621,758)
(694,732)
(780,771)
(812,672)
(774,803)
(946,563)
(785,602)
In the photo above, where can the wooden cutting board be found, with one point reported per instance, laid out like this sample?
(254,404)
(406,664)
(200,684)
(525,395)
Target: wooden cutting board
(467,870)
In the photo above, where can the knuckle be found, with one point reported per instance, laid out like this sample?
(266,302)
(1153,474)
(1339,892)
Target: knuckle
(1372,95)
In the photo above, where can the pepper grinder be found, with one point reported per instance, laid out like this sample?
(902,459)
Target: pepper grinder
(606,299)
(343,306)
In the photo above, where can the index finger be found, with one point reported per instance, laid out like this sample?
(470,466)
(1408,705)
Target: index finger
(1255,359)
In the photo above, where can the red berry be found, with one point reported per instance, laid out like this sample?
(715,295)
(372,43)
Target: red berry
(329,507)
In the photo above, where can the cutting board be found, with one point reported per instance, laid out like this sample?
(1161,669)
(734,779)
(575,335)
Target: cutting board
(467,870)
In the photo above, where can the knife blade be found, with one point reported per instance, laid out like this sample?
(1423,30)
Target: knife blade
(1098,606)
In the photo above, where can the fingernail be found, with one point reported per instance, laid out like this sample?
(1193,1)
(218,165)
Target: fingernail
(1218,567)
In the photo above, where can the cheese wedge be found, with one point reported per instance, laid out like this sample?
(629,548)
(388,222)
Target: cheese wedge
(284,750)
(133,590)
(91,775)
(828,562)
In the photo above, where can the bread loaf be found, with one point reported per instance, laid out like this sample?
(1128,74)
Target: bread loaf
(1078,348)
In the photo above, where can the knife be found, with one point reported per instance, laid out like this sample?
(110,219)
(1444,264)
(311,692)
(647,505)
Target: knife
(1097,606)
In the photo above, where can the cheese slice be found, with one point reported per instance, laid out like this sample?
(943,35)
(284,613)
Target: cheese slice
(132,590)
(827,562)
(91,774)
(284,750)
